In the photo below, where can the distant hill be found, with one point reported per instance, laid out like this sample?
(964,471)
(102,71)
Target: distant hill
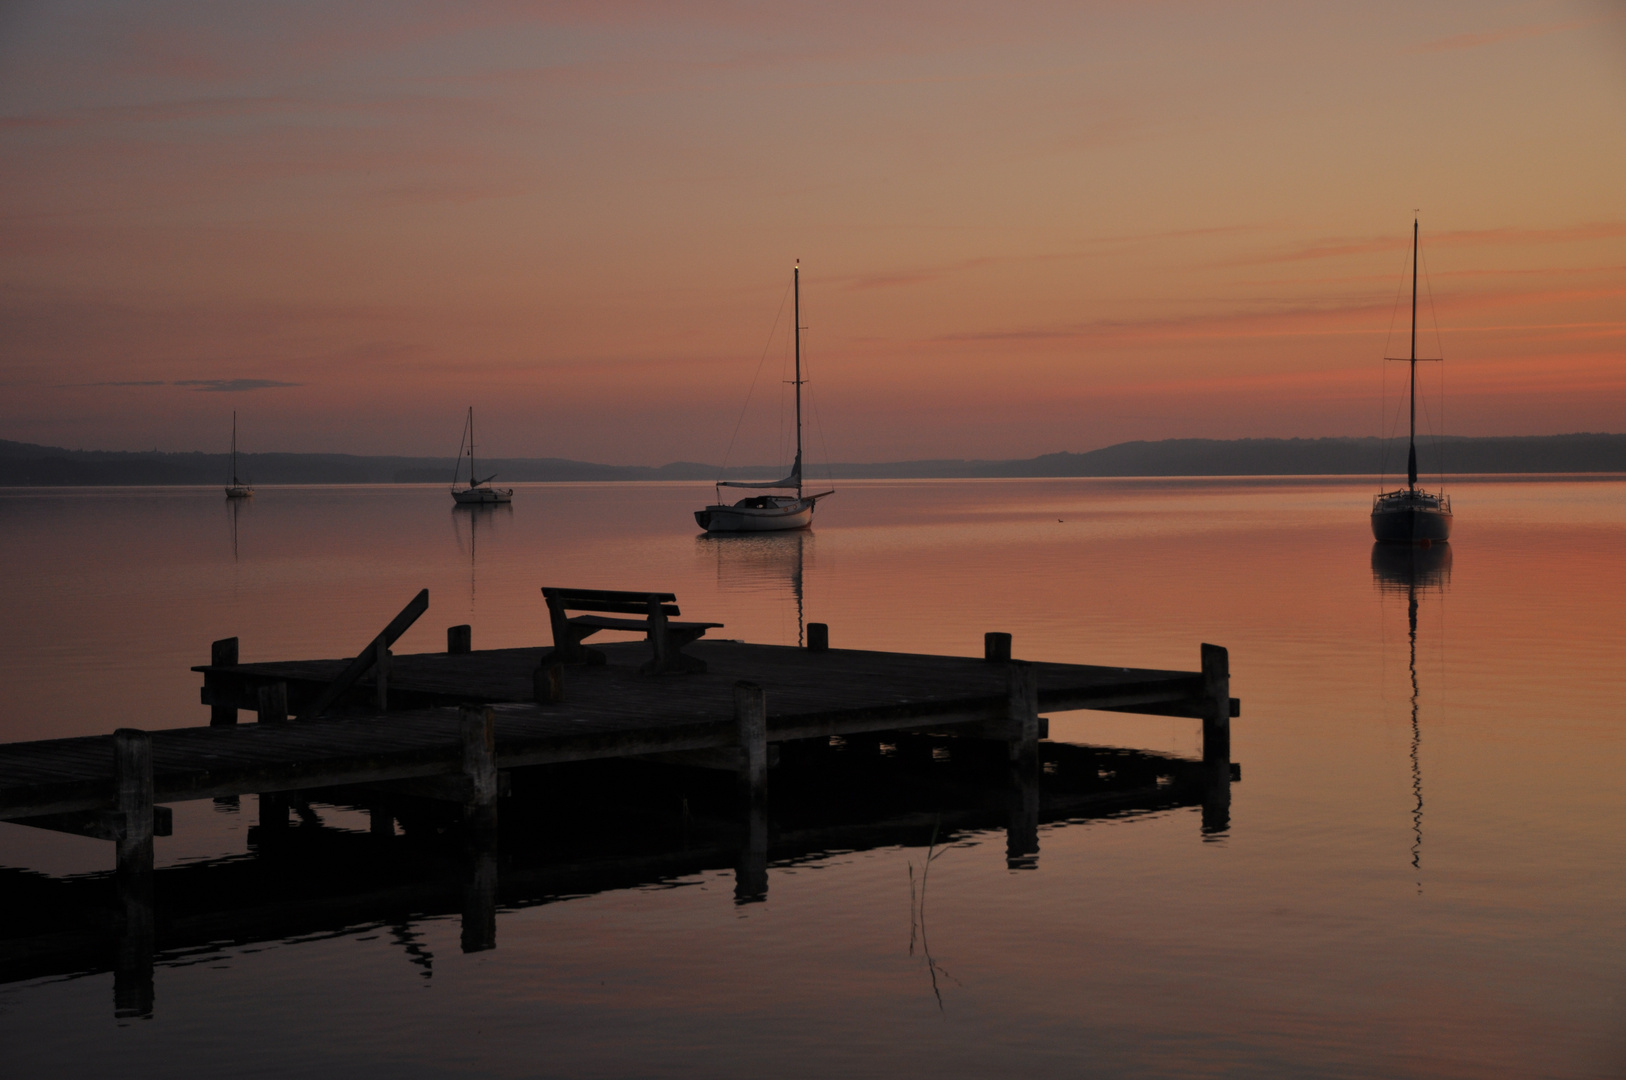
(27,465)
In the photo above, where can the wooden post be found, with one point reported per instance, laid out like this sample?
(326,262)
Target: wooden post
(1022,711)
(221,654)
(751,719)
(477,726)
(380,822)
(996,646)
(548,681)
(1216,704)
(1216,740)
(658,639)
(479,930)
(818,637)
(459,639)
(273,703)
(133,791)
(1022,820)
(381,672)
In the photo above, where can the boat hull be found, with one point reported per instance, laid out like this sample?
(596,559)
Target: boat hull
(1411,524)
(239,492)
(794,514)
(483,496)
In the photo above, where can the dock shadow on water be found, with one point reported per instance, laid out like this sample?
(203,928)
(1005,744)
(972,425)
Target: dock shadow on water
(566,831)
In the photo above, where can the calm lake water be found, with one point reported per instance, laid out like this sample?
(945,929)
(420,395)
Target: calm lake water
(1422,874)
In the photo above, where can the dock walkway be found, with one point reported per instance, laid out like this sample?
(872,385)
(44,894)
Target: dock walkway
(606,711)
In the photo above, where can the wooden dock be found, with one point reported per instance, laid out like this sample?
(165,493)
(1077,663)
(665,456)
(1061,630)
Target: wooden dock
(455,726)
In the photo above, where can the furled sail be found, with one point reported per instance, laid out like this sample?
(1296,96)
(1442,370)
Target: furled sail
(794,480)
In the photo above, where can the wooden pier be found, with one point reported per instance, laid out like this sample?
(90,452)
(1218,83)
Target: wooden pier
(455,726)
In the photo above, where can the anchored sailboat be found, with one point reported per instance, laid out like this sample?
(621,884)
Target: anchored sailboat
(236,489)
(479,492)
(770,513)
(1411,515)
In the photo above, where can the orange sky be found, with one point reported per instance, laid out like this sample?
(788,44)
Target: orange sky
(1024,228)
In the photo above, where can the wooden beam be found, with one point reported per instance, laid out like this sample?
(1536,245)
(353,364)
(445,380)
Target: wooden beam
(368,656)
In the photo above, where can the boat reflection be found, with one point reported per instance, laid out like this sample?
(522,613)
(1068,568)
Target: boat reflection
(773,563)
(1413,571)
(477,517)
(565,831)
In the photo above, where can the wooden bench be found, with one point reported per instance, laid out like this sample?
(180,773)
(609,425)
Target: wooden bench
(667,637)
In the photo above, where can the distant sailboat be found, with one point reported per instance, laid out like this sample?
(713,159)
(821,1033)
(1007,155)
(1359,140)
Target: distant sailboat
(1411,515)
(478,492)
(770,513)
(236,489)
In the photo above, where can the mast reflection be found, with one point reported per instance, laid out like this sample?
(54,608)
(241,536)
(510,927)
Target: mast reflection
(1411,571)
(478,517)
(762,563)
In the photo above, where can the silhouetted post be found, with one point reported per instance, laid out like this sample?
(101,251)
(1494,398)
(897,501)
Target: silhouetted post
(751,718)
(1216,739)
(548,682)
(1022,819)
(381,670)
(132,778)
(818,637)
(996,646)
(1216,704)
(1022,712)
(380,822)
(221,654)
(480,898)
(273,703)
(459,639)
(477,726)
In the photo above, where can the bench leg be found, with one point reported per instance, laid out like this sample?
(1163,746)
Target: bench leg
(669,658)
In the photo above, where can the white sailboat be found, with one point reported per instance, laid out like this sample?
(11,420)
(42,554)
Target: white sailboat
(236,489)
(478,492)
(770,513)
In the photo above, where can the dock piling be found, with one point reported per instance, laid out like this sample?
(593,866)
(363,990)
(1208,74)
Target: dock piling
(477,725)
(222,653)
(1216,740)
(996,646)
(818,637)
(459,639)
(132,777)
(1022,712)
(751,720)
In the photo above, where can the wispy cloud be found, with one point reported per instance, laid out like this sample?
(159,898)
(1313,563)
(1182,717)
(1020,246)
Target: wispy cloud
(210,385)
(1494,37)
(233,385)
(1333,247)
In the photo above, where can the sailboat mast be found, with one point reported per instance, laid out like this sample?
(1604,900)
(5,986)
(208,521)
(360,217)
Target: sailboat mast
(471,445)
(796,317)
(234,448)
(1411,454)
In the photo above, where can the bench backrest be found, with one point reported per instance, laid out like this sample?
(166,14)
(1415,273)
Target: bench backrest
(611,600)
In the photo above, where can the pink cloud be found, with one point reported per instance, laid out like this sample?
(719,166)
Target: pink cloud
(1493,37)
